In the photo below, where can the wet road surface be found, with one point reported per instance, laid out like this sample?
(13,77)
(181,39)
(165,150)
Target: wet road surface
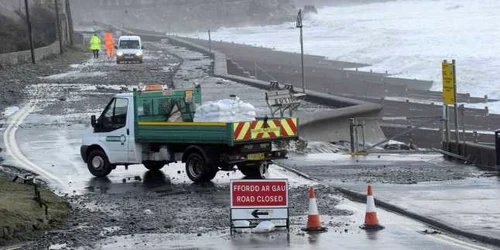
(400,233)
(460,196)
(44,136)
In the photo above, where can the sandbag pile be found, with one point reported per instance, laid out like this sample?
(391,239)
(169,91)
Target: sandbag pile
(225,110)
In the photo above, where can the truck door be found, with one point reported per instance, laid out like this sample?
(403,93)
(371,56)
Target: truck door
(113,130)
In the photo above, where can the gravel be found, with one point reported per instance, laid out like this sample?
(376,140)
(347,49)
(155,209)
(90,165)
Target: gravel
(167,209)
(151,204)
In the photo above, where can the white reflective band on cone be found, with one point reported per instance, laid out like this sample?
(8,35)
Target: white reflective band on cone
(313,208)
(370,204)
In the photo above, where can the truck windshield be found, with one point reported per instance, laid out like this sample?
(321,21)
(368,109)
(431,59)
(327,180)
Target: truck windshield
(114,116)
(129,44)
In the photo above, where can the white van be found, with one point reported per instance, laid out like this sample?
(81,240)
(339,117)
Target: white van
(129,49)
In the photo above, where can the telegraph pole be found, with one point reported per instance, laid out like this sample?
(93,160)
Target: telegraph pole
(30,33)
(58,26)
(299,25)
(70,22)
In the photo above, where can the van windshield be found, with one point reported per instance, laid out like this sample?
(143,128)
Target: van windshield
(129,44)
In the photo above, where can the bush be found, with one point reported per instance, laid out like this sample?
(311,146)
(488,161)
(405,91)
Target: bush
(14,35)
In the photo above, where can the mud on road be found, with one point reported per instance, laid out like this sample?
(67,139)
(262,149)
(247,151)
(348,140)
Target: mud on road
(70,90)
(164,209)
(67,91)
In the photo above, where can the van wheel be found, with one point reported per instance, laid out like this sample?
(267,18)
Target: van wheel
(257,171)
(98,163)
(198,170)
(118,62)
(153,165)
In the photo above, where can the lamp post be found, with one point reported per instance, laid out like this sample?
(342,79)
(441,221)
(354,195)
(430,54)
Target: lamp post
(299,25)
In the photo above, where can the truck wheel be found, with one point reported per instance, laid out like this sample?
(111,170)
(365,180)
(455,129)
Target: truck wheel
(153,165)
(257,171)
(210,176)
(198,170)
(98,163)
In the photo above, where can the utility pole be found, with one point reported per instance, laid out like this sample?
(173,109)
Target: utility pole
(58,27)
(70,22)
(299,25)
(30,33)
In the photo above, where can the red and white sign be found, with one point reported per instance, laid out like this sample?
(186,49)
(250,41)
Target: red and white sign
(259,193)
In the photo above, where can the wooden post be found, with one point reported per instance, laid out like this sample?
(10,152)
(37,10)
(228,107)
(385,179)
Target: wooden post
(209,41)
(457,132)
(462,116)
(351,133)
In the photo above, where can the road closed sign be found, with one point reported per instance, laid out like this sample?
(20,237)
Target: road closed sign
(259,193)
(257,200)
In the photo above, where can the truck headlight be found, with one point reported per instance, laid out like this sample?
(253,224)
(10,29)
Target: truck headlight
(139,53)
(119,53)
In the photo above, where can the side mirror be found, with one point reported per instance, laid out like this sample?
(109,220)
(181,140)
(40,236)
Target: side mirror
(142,47)
(116,47)
(93,121)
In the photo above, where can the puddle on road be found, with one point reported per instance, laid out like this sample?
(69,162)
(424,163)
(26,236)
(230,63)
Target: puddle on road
(166,182)
(295,239)
(9,111)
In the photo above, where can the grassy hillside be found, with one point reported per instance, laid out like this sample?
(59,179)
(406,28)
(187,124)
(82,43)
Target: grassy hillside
(14,34)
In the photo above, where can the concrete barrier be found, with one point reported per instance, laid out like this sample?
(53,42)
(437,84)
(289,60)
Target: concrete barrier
(20,57)
(331,125)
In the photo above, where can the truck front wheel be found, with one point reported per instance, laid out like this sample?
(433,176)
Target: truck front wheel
(98,163)
(197,168)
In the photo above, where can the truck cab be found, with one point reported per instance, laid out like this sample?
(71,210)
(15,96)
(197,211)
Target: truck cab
(155,127)
(129,49)
(111,140)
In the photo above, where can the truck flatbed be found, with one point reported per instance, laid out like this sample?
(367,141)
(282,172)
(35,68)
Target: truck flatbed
(155,123)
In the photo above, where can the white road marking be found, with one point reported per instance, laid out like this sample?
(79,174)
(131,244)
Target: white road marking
(12,148)
(457,242)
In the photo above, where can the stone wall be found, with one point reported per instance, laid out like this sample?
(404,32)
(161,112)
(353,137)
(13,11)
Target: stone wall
(20,57)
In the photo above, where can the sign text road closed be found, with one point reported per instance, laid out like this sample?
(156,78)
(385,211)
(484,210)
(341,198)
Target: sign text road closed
(259,193)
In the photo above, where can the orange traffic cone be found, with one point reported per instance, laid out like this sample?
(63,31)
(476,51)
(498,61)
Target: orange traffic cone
(313,220)
(371,220)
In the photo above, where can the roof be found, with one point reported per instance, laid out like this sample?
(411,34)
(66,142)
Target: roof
(130,37)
